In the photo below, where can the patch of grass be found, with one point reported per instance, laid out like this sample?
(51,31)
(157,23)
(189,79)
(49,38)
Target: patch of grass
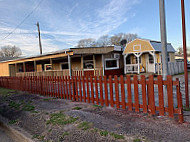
(76,108)
(34,111)
(28,107)
(47,99)
(15,105)
(104,133)
(137,140)
(38,137)
(186,109)
(117,136)
(60,119)
(5,92)
(13,121)
(98,106)
(85,125)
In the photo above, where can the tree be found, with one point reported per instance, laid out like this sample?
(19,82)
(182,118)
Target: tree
(116,39)
(103,41)
(180,50)
(10,51)
(87,42)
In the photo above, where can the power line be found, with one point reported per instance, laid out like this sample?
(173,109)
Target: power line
(23,21)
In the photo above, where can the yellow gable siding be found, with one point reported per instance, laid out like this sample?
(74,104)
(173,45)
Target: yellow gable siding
(144,46)
(4,69)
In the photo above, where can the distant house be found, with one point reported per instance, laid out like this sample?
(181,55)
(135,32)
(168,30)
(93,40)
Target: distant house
(74,61)
(142,55)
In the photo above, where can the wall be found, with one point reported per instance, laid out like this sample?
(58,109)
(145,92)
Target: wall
(76,63)
(172,57)
(4,69)
(145,46)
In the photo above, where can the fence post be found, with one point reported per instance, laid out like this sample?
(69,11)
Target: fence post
(170,96)
(179,102)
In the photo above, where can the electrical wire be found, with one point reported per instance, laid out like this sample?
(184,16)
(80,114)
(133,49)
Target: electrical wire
(23,21)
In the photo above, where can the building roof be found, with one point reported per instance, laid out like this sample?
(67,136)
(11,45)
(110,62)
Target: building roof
(157,45)
(95,50)
(8,58)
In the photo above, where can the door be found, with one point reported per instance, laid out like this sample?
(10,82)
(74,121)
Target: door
(150,66)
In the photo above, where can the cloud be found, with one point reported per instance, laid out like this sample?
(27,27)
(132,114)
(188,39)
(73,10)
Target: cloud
(64,24)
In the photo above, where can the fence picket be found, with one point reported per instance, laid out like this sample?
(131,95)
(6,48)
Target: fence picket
(87,86)
(122,92)
(130,106)
(160,95)
(92,89)
(101,91)
(80,90)
(76,89)
(106,91)
(143,83)
(111,91)
(151,95)
(116,92)
(84,91)
(96,90)
(136,93)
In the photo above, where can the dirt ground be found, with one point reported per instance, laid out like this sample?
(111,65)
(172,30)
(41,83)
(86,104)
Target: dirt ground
(56,120)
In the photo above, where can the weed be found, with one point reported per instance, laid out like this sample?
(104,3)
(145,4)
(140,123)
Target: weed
(34,111)
(117,136)
(76,108)
(49,130)
(63,135)
(15,105)
(137,140)
(98,106)
(85,125)
(13,121)
(28,107)
(60,119)
(38,137)
(104,133)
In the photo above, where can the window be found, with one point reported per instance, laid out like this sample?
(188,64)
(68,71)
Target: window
(151,59)
(88,62)
(48,67)
(64,66)
(168,57)
(111,64)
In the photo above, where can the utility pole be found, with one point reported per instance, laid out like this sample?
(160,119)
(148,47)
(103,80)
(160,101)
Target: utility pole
(164,47)
(185,53)
(40,44)
(163,38)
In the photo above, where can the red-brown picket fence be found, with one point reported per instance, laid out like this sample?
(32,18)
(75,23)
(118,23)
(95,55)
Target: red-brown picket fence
(124,92)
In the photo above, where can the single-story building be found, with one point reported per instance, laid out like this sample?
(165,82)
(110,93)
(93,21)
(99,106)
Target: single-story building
(142,55)
(73,61)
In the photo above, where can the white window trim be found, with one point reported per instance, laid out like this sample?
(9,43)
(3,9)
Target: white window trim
(111,59)
(62,63)
(47,65)
(139,45)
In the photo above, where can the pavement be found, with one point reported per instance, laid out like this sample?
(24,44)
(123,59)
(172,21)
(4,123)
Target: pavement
(4,137)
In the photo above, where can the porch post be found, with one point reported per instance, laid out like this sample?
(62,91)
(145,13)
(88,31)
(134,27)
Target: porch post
(103,64)
(94,62)
(69,63)
(154,55)
(82,66)
(51,62)
(124,58)
(138,65)
(16,68)
(24,68)
(35,69)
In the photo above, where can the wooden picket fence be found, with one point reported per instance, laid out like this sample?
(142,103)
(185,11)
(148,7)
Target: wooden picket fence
(124,92)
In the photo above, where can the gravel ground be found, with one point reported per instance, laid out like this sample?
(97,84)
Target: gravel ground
(132,126)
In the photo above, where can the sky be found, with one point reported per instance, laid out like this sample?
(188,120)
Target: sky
(64,22)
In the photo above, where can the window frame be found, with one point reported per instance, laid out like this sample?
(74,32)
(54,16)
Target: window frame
(111,59)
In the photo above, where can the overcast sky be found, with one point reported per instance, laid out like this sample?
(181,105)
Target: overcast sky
(64,22)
